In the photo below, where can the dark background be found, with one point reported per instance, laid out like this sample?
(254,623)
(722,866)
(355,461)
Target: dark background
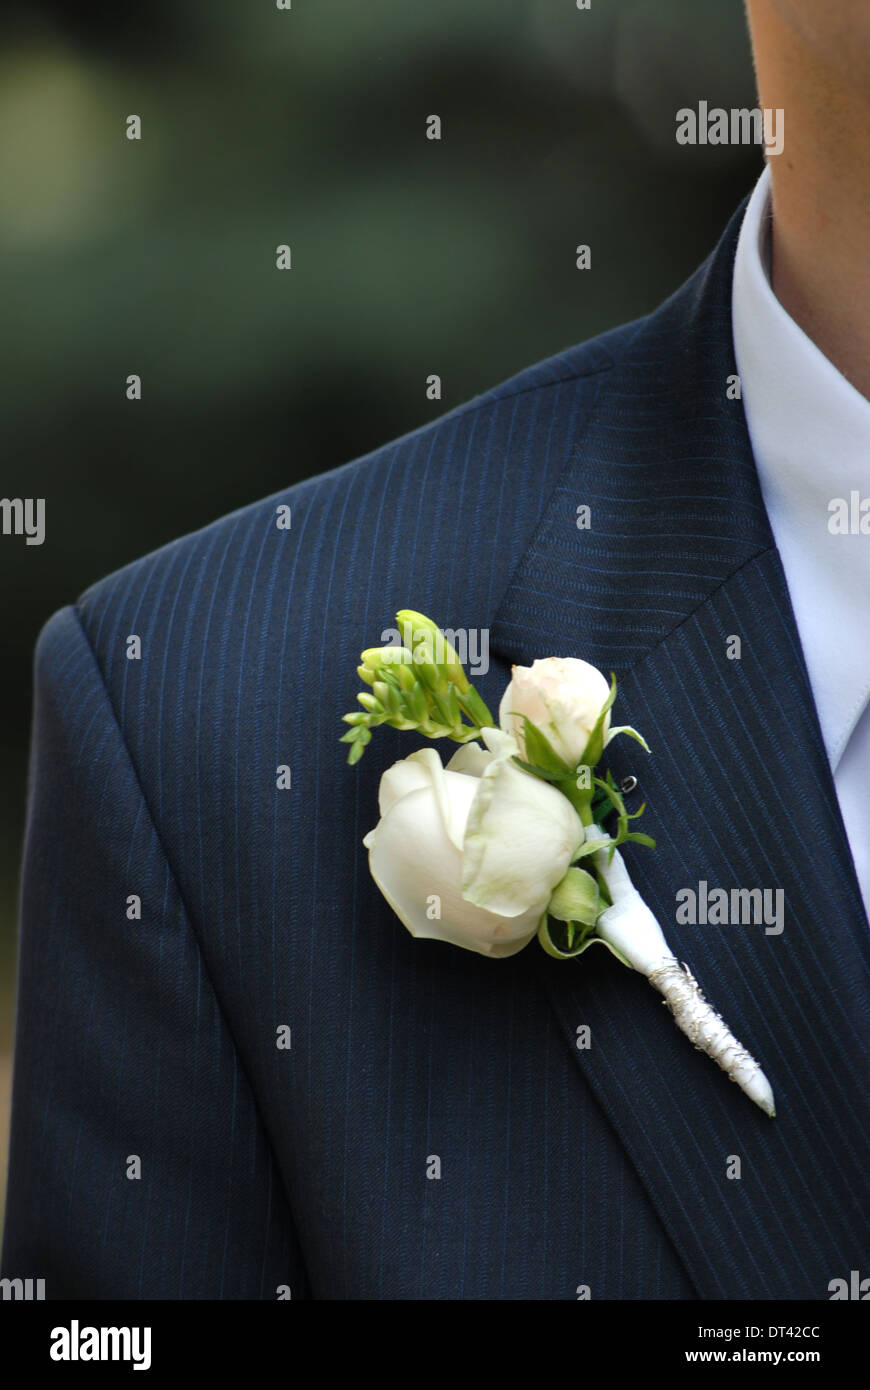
(410,257)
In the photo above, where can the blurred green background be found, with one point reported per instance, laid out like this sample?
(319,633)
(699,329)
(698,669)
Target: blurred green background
(307,127)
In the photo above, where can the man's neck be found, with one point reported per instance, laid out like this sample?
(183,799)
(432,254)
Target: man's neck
(821,199)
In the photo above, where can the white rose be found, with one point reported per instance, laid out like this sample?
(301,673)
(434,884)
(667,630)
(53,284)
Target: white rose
(490,840)
(562,696)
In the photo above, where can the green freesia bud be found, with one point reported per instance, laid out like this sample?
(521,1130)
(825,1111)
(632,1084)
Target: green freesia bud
(405,677)
(419,707)
(428,642)
(374,657)
(370,703)
(420,685)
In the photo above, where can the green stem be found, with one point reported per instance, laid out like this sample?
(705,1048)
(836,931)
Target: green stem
(476,708)
(579,798)
(603,890)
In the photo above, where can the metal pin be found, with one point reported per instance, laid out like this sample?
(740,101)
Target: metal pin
(627,785)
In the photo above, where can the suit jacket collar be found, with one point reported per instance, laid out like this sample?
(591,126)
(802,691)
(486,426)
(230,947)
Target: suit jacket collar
(663,461)
(678,561)
(810,431)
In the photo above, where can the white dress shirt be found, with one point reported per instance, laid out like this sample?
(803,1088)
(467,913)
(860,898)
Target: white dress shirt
(810,433)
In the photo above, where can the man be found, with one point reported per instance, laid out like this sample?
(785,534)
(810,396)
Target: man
(237,1075)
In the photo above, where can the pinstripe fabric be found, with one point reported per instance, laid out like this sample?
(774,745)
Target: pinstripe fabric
(739,794)
(122,1045)
(558,1167)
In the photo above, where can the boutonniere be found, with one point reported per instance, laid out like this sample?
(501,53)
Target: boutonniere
(505,842)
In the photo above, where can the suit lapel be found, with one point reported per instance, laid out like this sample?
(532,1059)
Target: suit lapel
(678,561)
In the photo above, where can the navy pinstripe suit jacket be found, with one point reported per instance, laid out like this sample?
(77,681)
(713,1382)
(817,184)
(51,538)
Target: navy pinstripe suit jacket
(263,1168)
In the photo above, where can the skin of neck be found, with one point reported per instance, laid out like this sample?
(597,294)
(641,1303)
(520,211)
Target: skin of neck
(820,183)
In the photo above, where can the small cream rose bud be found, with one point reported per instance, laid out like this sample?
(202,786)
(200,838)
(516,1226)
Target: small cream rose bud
(563,697)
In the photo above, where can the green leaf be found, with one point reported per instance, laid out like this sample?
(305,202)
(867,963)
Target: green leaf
(632,733)
(592,846)
(600,941)
(595,746)
(545,937)
(539,750)
(551,934)
(536,771)
(640,839)
(612,795)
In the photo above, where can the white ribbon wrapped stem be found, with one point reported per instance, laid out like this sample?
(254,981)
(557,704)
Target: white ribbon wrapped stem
(630,926)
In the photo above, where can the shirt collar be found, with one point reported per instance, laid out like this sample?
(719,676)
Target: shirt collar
(810,434)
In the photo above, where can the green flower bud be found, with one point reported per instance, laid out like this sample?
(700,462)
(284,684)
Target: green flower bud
(373,657)
(405,677)
(419,707)
(428,642)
